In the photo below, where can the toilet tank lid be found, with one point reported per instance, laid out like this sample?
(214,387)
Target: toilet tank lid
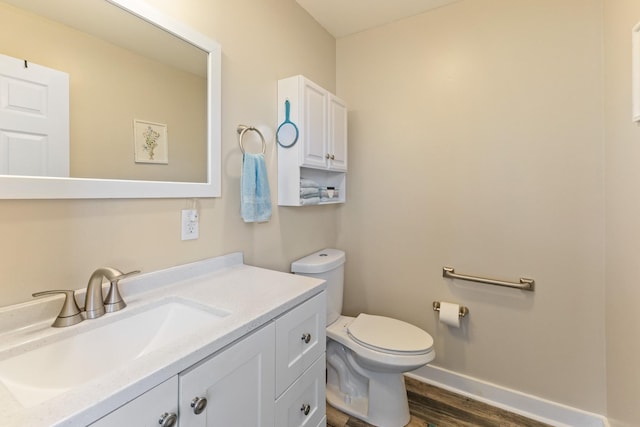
(319,262)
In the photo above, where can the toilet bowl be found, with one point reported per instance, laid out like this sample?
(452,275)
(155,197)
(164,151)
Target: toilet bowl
(366,355)
(364,374)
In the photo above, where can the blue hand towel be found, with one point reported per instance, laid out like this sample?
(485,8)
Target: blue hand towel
(255,196)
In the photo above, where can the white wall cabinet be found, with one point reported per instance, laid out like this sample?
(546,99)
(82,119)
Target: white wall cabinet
(320,153)
(272,377)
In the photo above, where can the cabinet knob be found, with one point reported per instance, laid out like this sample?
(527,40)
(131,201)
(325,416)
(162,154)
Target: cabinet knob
(333,157)
(168,419)
(306,337)
(305,408)
(198,404)
(327,156)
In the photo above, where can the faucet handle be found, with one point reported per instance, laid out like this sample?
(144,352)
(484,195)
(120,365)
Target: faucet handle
(69,313)
(113,301)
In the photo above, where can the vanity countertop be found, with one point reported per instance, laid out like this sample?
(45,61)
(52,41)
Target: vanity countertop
(252,296)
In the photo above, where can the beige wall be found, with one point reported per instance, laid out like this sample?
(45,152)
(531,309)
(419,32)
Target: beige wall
(476,141)
(110,87)
(623,212)
(57,244)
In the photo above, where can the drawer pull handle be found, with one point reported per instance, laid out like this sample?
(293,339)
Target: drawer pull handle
(306,408)
(168,419)
(198,404)
(306,337)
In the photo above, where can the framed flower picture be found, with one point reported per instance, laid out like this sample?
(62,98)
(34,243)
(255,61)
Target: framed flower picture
(151,142)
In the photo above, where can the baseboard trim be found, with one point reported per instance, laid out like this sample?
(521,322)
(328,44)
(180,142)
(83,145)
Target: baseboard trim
(533,407)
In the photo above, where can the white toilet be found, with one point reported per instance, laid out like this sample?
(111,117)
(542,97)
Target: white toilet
(366,355)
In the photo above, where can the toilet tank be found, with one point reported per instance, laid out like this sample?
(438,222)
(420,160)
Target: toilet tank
(327,264)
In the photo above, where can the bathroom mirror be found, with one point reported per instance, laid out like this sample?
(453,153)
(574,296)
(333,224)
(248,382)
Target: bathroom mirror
(132,71)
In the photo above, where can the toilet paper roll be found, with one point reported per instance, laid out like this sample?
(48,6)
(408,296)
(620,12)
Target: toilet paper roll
(450,314)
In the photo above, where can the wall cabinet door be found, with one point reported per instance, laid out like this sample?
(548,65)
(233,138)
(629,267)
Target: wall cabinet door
(314,127)
(324,128)
(238,384)
(337,142)
(147,410)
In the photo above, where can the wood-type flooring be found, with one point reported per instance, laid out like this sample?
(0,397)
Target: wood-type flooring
(431,406)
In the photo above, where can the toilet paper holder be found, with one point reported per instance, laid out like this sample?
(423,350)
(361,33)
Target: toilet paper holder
(462,313)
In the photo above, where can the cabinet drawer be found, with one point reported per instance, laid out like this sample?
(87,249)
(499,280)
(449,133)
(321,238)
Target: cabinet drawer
(145,410)
(307,394)
(300,340)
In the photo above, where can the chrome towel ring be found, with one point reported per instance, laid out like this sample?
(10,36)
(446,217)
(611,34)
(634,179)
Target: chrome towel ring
(242,129)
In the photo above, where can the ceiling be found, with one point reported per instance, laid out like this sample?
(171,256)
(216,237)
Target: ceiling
(344,17)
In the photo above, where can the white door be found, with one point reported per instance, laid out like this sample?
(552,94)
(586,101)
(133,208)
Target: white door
(238,385)
(34,119)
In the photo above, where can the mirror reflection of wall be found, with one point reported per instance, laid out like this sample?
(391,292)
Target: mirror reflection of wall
(110,87)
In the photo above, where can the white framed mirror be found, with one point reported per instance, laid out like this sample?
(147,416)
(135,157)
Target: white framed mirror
(106,159)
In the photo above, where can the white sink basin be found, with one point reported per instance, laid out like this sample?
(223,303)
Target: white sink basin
(48,370)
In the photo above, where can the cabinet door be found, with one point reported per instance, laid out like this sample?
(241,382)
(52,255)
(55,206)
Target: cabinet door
(237,383)
(300,340)
(314,125)
(337,134)
(147,409)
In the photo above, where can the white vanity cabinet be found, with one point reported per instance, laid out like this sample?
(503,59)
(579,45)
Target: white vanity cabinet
(320,153)
(234,387)
(272,377)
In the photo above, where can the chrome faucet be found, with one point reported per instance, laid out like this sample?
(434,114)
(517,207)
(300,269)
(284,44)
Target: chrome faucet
(94,304)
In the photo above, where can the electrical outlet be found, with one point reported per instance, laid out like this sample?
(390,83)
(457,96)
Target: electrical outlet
(189,224)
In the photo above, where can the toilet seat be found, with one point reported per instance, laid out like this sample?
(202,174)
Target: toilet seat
(387,335)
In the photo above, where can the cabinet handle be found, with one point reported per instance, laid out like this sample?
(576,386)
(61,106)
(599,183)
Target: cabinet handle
(333,157)
(327,156)
(198,404)
(168,419)
(306,337)
(306,408)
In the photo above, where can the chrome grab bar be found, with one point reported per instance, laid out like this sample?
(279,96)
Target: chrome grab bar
(525,284)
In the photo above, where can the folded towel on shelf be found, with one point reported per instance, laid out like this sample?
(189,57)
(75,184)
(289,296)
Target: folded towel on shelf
(308,183)
(255,195)
(306,192)
(310,201)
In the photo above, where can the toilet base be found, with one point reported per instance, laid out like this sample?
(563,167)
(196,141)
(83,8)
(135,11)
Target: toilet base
(386,404)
